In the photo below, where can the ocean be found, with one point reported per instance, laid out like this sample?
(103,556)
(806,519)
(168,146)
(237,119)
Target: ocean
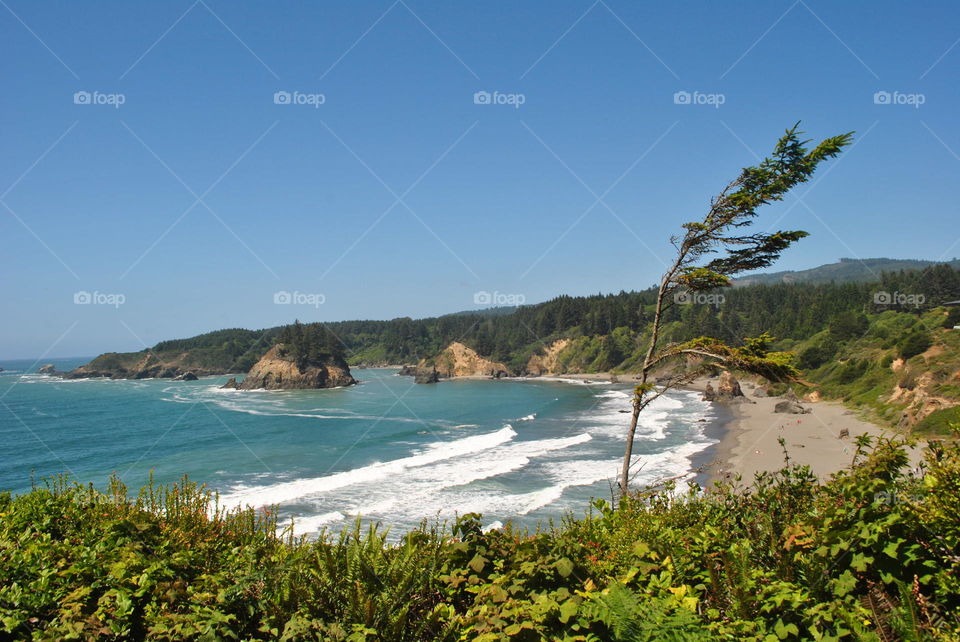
(389,450)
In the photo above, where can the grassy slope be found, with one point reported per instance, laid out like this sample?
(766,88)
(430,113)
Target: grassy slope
(864,372)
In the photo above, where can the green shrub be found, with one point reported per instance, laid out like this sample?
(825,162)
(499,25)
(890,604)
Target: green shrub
(867,555)
(953,318)
(917,342)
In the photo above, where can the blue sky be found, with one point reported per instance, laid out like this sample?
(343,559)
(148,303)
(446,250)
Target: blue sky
(199,198)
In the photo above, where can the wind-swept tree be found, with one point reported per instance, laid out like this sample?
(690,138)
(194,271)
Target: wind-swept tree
(714,249)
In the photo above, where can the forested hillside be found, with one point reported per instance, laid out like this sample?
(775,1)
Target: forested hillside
(843,271)
(606,330)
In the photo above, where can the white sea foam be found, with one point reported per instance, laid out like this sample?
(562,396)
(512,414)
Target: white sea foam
(313,523)
(288,491)
(481,473)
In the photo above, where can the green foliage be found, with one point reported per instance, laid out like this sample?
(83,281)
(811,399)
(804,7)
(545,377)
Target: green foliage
(311,344)
(870,554)
(953,318)
(847,325)
(754,356)
(941,423)
(917,342)
(790,164)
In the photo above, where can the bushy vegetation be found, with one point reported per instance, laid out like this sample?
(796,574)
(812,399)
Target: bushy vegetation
(232,350)
(890,355)
(868,555)
(311,344)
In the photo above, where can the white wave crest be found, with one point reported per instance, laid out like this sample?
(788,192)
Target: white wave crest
(288,491)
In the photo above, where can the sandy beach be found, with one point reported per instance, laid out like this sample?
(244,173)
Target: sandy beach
(749,433)
(750,442)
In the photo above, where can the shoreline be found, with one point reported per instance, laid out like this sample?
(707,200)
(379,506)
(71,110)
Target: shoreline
(749,443)
(746,432)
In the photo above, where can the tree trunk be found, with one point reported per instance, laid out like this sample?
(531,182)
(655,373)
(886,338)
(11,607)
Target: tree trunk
(638,394)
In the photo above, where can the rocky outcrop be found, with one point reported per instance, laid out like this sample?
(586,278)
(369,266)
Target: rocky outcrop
(915,394)
(727,390)
(457,360)
(709,394)
(407,371)
(547,363)
(232,384)
(143,365)
(186,376)
(48,369)
(791,407)
(426,375)
(278,371)
(728,387)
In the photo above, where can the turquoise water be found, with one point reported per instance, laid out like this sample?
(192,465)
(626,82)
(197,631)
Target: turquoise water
(388,449)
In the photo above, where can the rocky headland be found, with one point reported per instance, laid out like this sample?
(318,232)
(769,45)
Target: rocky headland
(456,360)
(142,365)
(278,370)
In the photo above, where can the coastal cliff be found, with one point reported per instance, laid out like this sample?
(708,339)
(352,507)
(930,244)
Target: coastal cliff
(279,370)
(548,363)
(457,360)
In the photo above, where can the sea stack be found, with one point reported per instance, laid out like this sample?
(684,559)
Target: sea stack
(279,370)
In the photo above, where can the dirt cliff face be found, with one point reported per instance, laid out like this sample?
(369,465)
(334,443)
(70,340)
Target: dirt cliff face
(919,399)
(457,360)
(275,371)
(549,362)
